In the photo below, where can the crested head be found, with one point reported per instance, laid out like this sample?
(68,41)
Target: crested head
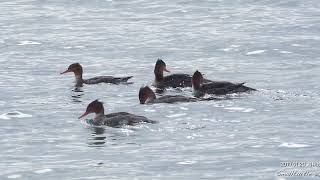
(160,62)
(146,95)
(197,79)
(74,65)
(76,68)
(94,107)
(159,68)
(197,74)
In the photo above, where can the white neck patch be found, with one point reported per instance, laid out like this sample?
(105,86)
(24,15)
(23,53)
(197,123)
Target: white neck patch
(78,79)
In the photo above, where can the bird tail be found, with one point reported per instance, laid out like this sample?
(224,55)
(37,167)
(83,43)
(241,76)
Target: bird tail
(242,88)
(125,79)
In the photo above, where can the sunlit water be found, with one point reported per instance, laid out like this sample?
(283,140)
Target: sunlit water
(271,45)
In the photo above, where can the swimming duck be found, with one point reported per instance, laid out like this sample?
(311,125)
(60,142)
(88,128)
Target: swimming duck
(117,119)
(215,87)
(147,96)
(76,68)
(173,80)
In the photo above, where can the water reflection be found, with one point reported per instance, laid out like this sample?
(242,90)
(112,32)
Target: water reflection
(97,138)
(77,89)
(78,93)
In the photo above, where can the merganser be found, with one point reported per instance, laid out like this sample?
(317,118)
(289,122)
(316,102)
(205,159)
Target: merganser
(76,68)
(147,96)
(215,87)
(173,80)
(114,119)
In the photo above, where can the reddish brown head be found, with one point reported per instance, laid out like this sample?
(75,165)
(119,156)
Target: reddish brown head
(197,79)
(159,68)
(94,107)
(146,94)
(76,68)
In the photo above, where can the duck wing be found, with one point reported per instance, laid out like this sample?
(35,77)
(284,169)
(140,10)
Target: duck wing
(123,118)
(231,88)
(111,115)
(217,84)
(107,79)
(174,99)
(177,80)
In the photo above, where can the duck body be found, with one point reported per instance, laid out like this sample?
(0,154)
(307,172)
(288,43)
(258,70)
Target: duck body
(120,119)
(147,96)
(117,119)
(206,89)
(173,80)
(238,87)
(77,69)
(106,79)
(216,87)
(173,99)
(176,81)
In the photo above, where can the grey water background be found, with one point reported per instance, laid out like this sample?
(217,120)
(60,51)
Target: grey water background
(271,45)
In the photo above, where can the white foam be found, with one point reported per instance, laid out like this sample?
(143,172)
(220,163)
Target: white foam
(80,47)
(257,146)
(42,171)
(248,110)
(127,131)
(240,109)
(22,43)
(296,45)
(14,176)
(190,137)
(281,91)
(226,49)
(150,110)
(3,116)
(285,52)
(256,52)
(176,115)
(14,114)
(187,162)
(184,108)
(293,145)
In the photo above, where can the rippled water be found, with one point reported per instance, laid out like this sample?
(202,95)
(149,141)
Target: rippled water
(272,45)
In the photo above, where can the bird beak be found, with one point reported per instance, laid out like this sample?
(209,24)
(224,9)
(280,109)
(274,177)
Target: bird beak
(166,70)
(84,114)
(66,71)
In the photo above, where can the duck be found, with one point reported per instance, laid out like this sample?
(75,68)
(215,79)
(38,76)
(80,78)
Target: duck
(147,96)
(77,69)
(173,80)
(216,87)
(117,119)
